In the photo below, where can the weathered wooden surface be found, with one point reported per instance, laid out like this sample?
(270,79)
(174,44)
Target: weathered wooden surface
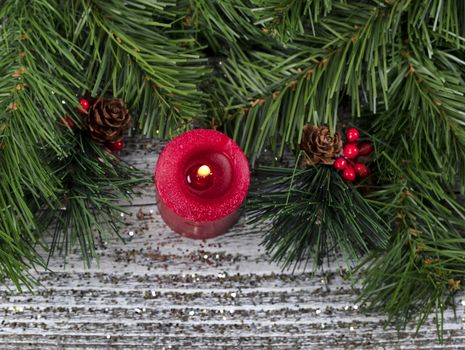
(162,291)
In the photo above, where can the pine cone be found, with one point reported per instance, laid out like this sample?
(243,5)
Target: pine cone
(319,145)
(108,119)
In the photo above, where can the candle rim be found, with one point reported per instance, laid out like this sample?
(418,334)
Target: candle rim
(199,209)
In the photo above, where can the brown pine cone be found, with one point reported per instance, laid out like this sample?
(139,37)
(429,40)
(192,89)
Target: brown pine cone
(108,119)
(319,145)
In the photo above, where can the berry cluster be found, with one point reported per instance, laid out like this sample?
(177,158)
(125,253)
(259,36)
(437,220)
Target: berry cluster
(85,105)
(353,149)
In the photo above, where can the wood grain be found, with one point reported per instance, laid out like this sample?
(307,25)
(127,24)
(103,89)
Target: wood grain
(157,290)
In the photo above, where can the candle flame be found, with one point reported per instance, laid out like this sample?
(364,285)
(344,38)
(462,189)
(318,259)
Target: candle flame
(204,171)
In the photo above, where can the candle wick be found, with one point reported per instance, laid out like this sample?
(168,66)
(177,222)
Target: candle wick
(204,171)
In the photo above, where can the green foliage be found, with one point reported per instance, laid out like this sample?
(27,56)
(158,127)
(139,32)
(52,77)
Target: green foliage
(424,265)
(424,126)
(94,184)
(258,70)
(288,19)
(136,50)
(41,69)
(421,156)
(315,213)
(273,91)
(35,61)
(356,48)
(224,24)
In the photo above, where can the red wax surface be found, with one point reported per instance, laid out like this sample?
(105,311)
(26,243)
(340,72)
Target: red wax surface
(205,211)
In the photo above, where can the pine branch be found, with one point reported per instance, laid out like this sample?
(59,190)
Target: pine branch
(424,125)
(95,184)
(424,265)
(439,16)
(41,70)
(314,213)
(274,92)
(224,25)
(154,67)
(287,19)
(420,156)
(36,88)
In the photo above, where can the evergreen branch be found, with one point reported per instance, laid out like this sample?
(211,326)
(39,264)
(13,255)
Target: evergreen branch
(422,134)
(41,72)
(314,213)
(36,88)
(95,183)
(275,92)
(434,141)
(423,267)
(224,25)
(149,64)
(352,56)
(287,19)
(444,16)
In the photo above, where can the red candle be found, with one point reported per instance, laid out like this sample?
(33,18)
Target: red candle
(202,178)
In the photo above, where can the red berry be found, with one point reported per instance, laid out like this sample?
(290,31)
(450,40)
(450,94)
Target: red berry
(349,174)
(340,163)
(365,148)
(361,170)
(68,122)
(84,104)
(351,151)
(116,146)
(352,135)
